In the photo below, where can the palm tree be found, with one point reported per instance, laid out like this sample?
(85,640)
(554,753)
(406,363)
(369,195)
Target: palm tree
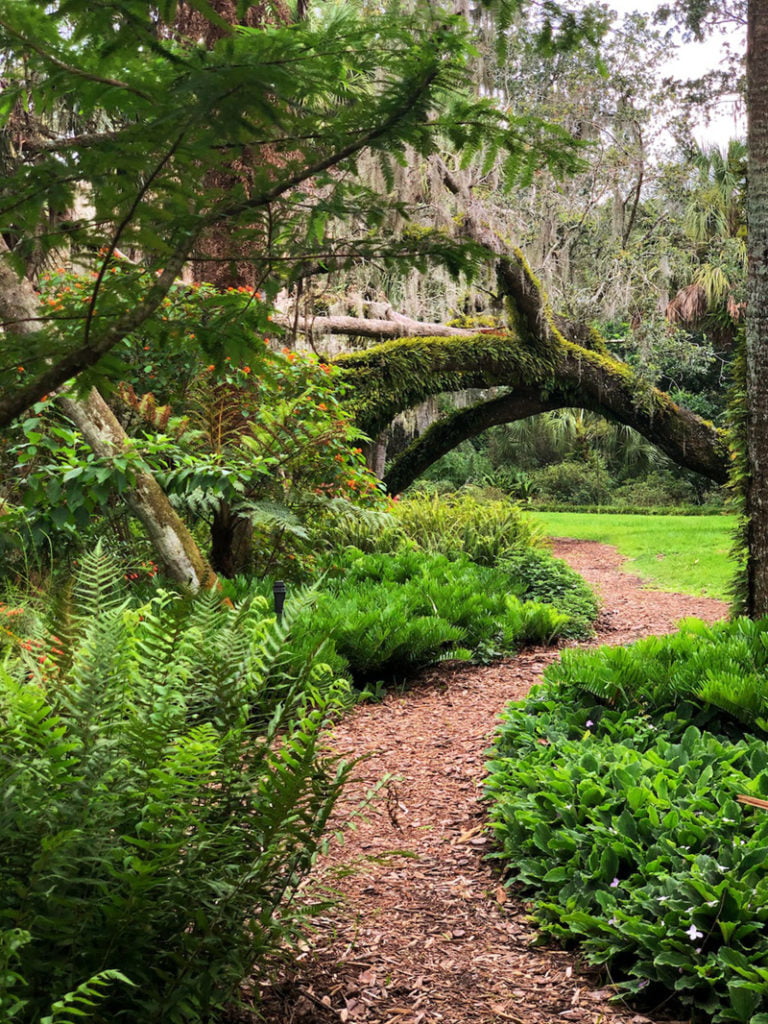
(715,221)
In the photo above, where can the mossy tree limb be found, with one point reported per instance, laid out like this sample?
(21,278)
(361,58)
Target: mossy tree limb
(682,436)
(542,367)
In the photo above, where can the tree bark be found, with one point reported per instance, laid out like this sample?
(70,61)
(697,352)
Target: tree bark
(362,327)
(757,311)
(231,542)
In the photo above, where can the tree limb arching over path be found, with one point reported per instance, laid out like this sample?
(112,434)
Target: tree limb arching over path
(541,368)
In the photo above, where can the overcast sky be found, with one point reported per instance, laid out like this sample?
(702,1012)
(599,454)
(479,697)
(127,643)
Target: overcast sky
(694,58)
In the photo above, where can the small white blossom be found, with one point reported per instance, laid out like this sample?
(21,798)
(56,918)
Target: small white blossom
(693,933)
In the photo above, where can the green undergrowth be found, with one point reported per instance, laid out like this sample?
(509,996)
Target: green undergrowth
(613,793)
(678,553)
(461,578)
(468,523)
(163,794)
(380,616)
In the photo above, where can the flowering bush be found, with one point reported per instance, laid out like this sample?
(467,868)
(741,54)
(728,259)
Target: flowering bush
(254,445)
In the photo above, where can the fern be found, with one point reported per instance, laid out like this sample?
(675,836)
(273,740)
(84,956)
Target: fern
(74,1006)
(162,795)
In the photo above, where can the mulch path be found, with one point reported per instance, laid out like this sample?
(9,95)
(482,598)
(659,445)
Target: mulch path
(426,932)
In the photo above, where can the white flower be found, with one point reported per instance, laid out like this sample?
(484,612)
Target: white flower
(693,933)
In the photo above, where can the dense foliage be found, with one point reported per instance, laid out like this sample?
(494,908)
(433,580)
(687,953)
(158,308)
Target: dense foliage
(387,615)
(614,791)
(257,454)
(162,796)
(463,578)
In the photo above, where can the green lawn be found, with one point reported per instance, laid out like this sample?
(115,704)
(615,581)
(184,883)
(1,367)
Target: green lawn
(688,554)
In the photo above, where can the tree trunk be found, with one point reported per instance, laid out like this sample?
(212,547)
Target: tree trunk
(757,311)
(231,542)
(172,541)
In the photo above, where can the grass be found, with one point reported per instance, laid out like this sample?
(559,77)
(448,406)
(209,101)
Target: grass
(686,554)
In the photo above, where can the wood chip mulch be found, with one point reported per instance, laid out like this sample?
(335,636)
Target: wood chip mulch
(425,931)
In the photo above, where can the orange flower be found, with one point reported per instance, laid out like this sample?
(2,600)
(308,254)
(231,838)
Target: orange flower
(322,406)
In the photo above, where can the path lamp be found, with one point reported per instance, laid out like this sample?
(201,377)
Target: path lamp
(278,593)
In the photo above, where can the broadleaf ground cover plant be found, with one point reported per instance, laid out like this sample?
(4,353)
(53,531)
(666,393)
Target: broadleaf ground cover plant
(614,803)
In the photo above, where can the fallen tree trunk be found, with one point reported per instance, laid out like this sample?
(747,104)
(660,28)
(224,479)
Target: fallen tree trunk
(362,327)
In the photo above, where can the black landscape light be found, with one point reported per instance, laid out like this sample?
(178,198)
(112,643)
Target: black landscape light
(278,592)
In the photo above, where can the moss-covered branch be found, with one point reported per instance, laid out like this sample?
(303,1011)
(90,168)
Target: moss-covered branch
(583,384)
(543,369)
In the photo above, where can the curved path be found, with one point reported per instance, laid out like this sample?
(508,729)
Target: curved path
(426,934)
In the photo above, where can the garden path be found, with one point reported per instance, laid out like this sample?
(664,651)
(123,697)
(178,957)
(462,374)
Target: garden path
(427,934)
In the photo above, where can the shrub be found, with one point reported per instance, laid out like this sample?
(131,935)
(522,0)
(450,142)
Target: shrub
(381,616)
(542,577)
(472,523)
(660,488)
(468,524)
(614,803)
(162,795)
(572,482)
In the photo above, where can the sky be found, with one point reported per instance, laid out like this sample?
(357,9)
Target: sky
(694,58)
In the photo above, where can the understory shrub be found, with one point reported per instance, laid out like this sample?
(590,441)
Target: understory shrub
(542,577)
(381,616)
(573,481)
(660,488)
(162,796)
(484,529)
(614,803)
(468,523)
